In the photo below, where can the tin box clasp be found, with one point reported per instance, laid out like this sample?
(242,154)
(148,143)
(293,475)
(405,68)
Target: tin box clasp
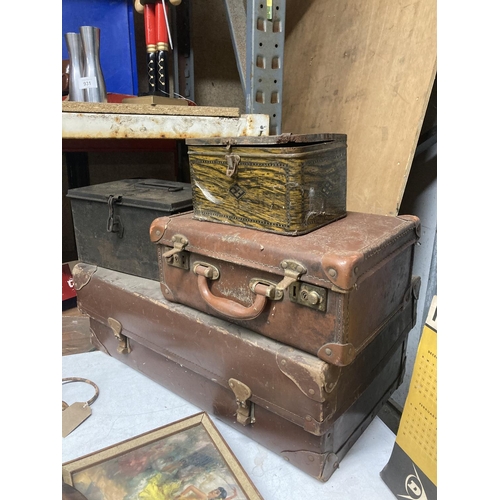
(245,410)
(114,224)
(232,164)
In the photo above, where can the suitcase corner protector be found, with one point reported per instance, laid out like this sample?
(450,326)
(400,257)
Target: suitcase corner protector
(82,274)
(337,354)
(157,229)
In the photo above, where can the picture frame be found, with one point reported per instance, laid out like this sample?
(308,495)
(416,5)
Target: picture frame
(187,459)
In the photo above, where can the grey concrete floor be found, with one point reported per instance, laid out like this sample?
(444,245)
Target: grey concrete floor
(390,414)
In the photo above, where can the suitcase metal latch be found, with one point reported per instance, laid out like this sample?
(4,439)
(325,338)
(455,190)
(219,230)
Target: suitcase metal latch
(123,342)
(176,256)
(245,410)
(293,271)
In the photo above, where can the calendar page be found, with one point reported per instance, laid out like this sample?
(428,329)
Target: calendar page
(417,434)
(411,472)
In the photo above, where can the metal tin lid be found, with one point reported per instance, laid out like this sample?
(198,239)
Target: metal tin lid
(155,194)
(267,140)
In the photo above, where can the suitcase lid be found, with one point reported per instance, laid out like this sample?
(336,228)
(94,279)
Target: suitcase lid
(338,255)
(269,140)
(158,194)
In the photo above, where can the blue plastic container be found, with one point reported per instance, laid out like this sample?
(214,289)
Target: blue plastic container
(115,19)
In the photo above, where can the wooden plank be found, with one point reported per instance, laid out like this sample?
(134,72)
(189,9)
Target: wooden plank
(76,335)
(368,67)
(147,109)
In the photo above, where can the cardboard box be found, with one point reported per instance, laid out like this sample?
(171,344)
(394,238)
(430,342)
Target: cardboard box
(117,39)
(68,289)
(411,472)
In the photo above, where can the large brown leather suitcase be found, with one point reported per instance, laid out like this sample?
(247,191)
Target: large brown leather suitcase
(328,292)
(308,411)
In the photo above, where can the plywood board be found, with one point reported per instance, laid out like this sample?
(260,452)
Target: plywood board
(147,109)
(366,69)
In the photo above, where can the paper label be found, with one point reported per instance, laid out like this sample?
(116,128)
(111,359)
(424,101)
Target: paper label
(73,416)
(89,82)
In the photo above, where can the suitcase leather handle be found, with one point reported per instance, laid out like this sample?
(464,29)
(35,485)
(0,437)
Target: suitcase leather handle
(229,307)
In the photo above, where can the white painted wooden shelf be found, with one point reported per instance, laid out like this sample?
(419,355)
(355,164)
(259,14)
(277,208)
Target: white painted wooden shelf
(122,121)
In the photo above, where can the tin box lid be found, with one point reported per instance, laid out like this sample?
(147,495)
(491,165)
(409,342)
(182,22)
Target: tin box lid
(269,140)
(157,194)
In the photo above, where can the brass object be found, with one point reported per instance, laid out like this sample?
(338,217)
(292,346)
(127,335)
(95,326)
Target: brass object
(293,271)
(123,342)
(232,164)
(308,295)
(270,292)
(180,260)
(245,410)
(208,270)
(179,244)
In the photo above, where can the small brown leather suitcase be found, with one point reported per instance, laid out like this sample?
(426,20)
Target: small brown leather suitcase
(328,292)
(308,411)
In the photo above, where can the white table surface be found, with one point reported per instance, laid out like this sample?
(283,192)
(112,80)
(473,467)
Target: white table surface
(129,404)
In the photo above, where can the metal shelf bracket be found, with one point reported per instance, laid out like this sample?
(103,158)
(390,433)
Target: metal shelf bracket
(260,56)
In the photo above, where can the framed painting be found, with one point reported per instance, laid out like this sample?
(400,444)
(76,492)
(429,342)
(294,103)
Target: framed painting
(187,459)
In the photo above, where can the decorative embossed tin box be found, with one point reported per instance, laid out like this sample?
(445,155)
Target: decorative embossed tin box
(288,184)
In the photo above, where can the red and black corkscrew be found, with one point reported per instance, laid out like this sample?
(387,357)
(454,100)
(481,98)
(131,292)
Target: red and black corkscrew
(158,42)
(150,36)
(162,81)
